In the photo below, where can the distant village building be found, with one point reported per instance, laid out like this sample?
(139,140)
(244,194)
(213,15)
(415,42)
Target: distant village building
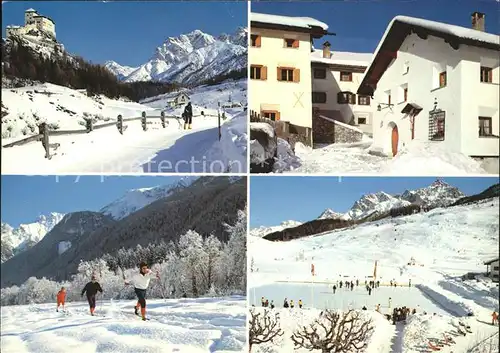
(178,100)
(492,269)
(33,21)
(280,66)
(432,81)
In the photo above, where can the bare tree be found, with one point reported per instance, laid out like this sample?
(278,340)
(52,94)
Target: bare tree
(334,332)
(263,328)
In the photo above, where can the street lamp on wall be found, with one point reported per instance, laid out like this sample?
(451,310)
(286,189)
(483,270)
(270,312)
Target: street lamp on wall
(386,105)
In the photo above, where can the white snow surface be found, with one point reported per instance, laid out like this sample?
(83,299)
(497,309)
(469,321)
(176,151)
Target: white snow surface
(29,233)
(342,58)
(182,325)
(135,199)
(444,243)
(161,150)
(432,159)
(303,22)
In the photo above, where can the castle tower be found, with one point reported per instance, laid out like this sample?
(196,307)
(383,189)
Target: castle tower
(28,17)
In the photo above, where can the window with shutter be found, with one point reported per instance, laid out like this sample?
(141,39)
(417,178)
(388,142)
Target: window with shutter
(486,74)
(485,126)
(271,114)
(363,100)
(442,79)
(291,43)
(346,76)
(319,97)
(256,72)
(287,74)
(255,40)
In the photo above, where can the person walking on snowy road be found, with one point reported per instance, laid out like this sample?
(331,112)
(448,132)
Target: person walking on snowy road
(188,116)
(61,298)
(334,288)
(494,318)
(141,284)
(91,290)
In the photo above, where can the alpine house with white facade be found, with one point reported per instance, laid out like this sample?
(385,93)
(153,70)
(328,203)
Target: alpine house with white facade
(280,67)
(435,82)
(336,77)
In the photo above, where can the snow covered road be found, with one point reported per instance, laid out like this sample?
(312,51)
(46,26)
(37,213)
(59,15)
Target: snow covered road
(169,150)
(184,325)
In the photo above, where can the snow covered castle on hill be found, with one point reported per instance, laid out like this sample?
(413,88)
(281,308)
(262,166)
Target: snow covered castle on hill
(32,22)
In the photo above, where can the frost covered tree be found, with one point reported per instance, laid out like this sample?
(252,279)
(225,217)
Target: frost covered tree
(192,256)
(235,253)
(335,332)
(213,256)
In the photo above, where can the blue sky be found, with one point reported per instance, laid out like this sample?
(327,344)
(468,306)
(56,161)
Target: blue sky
(24,198)
(277,199)
(359,25)
(127,32)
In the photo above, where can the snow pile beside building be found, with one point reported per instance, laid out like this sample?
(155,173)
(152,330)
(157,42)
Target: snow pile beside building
(287,160)
(436,159)
(262,147)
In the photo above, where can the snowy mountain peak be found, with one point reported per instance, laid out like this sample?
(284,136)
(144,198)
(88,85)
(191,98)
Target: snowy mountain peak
(118,70)
(438,194)
(330,214)
(26,235)
(191,58)
(135,199)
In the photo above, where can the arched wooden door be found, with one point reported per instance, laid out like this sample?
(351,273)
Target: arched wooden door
(395,140)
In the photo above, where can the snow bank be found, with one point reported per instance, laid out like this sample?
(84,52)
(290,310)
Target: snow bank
(231,150)
(453,306)
(435,159)
(61,107)
(287,160)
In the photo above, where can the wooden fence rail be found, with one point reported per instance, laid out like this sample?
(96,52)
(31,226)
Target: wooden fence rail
(45,132)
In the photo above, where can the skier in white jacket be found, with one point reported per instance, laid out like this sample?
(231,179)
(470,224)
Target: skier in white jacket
(141,283)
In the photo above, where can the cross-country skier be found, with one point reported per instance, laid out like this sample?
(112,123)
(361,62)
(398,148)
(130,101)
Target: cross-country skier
(334,288)
(494,318)
(91,289)
(291,303)
(300,303)
(61,298)
(188,116)
(272,304)
(141,283)
(285,303)
(390,301)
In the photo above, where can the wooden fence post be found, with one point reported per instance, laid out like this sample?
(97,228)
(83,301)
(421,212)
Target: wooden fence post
(143,121)
(119,124)
(44,131)
(89,124)
(218,118)
(163,119)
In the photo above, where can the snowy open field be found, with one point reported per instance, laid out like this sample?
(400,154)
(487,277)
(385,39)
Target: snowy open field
(445,244)
(181,325)
(354,158)
(168,150)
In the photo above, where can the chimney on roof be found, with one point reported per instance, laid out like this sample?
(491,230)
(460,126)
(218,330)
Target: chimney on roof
(478,21)
(326,50)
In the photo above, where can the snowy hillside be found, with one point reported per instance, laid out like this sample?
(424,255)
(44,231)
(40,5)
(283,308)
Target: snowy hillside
(430,251)
(190,59)
(38,42)
(184,325)
(261,231)
(135,199)
(63,108)
(167,150)
(27,235)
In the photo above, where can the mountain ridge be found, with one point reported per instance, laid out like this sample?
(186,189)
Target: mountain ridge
(189,59)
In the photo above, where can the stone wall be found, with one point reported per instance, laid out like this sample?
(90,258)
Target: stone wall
(326,131)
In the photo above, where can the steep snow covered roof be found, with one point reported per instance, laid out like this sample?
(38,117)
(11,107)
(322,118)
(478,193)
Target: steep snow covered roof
(302,22)
(401,26)
(342,58)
